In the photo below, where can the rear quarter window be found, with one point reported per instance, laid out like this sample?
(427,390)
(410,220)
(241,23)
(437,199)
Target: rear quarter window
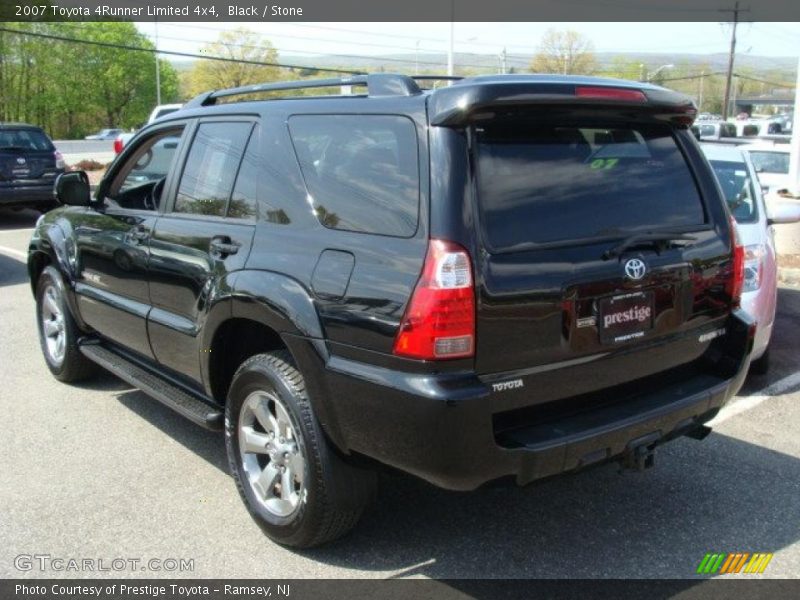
(361,171)
(738,189)
(543,183)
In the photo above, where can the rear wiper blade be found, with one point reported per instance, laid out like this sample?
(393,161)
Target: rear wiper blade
(640,238)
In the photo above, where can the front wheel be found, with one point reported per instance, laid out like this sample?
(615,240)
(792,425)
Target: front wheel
(294,485)
(58,332)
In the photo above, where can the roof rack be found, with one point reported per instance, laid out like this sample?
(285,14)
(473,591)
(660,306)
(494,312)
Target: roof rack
(377,84)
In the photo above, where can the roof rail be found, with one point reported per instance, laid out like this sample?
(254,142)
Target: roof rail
(436,77)
(377,84)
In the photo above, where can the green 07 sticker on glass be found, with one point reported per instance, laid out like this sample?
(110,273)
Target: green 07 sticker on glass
(599,164)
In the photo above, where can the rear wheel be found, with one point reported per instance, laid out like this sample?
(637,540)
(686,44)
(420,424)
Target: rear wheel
(58,332)
(295,486)
(761,365)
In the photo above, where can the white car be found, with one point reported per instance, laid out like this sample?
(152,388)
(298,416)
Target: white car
(737,178)
(771,162)
(159,111)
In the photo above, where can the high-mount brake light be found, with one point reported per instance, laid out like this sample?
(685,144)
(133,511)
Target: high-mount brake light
(439,322)
(610,93)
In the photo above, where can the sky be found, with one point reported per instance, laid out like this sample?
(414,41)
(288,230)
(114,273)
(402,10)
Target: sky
(308,39)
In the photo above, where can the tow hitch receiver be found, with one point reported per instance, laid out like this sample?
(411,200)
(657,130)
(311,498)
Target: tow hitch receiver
(640,453)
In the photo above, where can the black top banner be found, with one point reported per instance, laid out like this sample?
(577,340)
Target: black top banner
(407,10)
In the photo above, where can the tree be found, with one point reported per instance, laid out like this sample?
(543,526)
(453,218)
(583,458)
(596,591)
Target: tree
(565,52)
(71,88)
(238,44)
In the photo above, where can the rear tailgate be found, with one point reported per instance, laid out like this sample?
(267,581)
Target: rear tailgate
(604,259)
(27,157)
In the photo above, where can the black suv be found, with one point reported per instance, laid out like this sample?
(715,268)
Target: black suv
(29,164)
(506,277)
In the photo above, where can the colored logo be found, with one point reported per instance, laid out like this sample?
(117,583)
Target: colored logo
(734,562)
(635,268)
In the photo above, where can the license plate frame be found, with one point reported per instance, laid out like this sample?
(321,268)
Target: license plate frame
(625,317)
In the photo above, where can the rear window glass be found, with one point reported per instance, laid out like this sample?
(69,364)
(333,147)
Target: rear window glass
(737,188)
(361,171)
(540,183)
(770,162)
(24,139)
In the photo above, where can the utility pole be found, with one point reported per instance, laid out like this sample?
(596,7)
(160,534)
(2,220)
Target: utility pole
(503,61)
(735,10)
(700,96)
(452,37)
(158,71)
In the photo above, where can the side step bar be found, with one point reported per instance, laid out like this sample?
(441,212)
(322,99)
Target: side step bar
(174,397)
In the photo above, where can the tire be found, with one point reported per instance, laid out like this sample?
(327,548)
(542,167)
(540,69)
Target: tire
(298,490)
(761,365)
(58,331)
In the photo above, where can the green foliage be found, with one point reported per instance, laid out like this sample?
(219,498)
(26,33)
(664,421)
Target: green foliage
(565,52)
(240,44)
(72,89)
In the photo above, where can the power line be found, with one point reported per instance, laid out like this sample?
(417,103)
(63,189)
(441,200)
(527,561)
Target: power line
(174,53)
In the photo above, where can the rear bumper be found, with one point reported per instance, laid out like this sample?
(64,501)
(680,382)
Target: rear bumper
(26,195)
(443,429)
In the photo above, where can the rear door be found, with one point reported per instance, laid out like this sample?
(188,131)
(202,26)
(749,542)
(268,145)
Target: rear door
(600,258)
(205,235)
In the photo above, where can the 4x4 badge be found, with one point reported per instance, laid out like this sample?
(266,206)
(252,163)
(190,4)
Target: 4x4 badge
(635,268)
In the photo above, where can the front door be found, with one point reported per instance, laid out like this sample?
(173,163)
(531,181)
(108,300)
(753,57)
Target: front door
(205,234)
(113,242)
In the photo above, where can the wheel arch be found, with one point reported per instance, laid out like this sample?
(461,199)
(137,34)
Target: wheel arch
(262,312)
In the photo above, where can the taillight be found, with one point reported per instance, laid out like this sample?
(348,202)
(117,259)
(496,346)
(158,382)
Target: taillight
(754,257)
(60,164)
(439,322)
(118,145)
(736,281)
(610,93)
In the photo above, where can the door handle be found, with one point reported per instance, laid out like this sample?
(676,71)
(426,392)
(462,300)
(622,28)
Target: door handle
(223,246)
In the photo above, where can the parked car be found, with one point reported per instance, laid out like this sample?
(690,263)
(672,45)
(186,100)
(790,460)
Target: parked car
(29,165)
(716,130)
(104,134)
(739,182)
(159,111)
(771,162)
(457,283)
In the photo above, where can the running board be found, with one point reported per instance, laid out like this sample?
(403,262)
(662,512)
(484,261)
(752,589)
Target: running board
(165,392)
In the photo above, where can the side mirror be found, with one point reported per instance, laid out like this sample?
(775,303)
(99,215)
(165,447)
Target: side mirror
(781,213)
(73,189)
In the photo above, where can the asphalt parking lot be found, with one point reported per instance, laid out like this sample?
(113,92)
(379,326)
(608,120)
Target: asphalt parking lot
(101,471)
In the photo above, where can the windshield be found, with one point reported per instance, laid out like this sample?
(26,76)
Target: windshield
(738,189)
(24,139)
(540,183)
(770,162)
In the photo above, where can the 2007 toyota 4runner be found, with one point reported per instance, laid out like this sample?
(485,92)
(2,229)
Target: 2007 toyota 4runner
(508,277)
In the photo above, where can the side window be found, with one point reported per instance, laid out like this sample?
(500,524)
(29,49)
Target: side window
(140,180)
(361,171)
(207,180)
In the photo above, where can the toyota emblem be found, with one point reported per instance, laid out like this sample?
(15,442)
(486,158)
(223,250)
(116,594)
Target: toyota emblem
(21,161)
(635,268)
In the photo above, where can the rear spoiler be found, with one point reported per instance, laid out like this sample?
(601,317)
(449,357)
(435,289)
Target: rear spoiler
(462,102)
